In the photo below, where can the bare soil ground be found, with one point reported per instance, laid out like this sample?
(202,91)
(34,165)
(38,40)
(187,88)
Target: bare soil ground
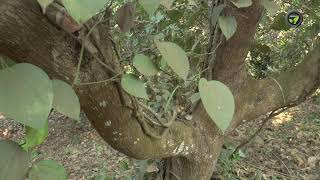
(287,148)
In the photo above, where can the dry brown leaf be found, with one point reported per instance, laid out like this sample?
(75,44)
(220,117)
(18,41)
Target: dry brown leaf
(125,17)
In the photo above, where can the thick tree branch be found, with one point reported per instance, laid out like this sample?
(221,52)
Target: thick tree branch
(253,97)
(229,66)
(27,36)
(257,97)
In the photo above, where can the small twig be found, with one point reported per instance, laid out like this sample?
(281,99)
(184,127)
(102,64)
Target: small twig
(169,99)
(149,109)
(151,120)
(271,170)
(284,99)
(83,40)
(79,64)
(264,122)
(160,123)
(176,176)
(99,82)
(149,132)
(106,66)
(284,165)
(195,45)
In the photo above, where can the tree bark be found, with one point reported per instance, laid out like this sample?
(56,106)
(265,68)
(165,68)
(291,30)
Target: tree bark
(191,148)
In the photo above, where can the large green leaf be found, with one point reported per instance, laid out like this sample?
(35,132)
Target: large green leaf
(228,25)
(242,3)
(216,13)
(150,6)
(218,102)
(279,22)
(175,57)
(47,170)
(271,6)
(14,161)
(132,85)
(35,137)
(65,100)
(44,4)
(144,65)
(166,3)
(26,94)
(83,10)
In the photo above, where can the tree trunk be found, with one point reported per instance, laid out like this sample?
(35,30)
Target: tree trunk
(190,148)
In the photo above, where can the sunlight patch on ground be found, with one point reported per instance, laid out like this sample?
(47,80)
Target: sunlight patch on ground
(2,116)
(282,118)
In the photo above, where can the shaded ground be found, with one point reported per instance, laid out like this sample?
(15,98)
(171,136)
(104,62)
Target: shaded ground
(77,146)
(287,148)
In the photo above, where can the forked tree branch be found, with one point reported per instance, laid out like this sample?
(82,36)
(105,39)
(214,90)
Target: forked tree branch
(27,36)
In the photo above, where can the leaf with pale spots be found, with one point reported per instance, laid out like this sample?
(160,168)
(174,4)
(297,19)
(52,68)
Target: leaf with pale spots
(175,57)
(228,25)
(218,102)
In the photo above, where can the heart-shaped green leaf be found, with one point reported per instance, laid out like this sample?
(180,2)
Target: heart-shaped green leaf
(242,3)
(35,137)
(216,13)
(150,6)
(175,57)
(228,25)
(144,65)
(65,100)
(44,4)
(270,6)
(48,170)
(14,161)
(26,94)
(132,85)
(218,102)
(83,10)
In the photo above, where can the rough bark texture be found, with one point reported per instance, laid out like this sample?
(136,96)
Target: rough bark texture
(191,148)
